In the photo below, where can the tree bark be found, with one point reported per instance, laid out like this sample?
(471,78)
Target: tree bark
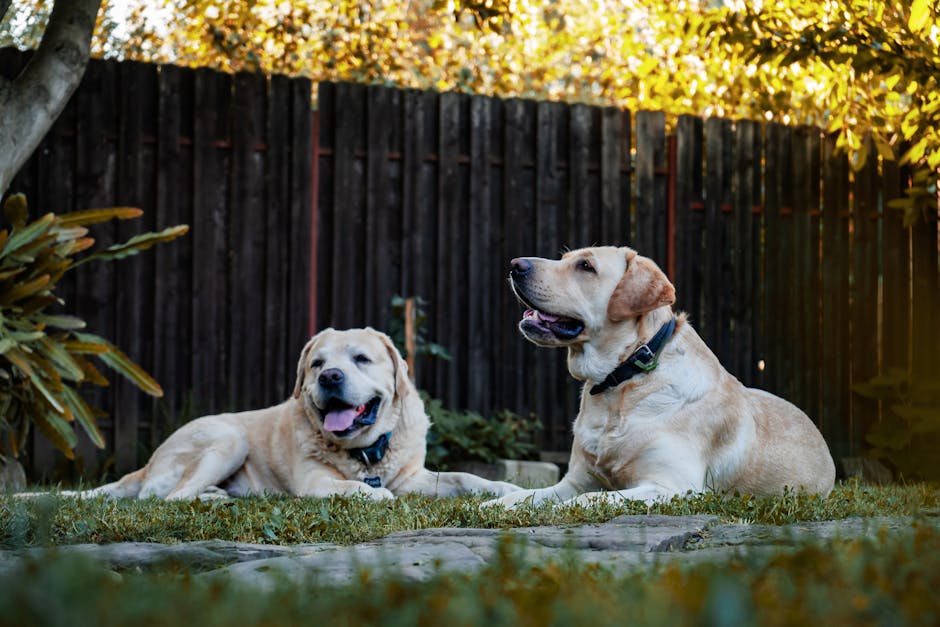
(31,103)
(4,5)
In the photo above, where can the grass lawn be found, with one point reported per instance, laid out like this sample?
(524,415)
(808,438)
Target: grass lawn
(284,520)
(889,580)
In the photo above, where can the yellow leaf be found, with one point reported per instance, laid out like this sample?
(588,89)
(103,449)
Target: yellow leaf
(94,216)
(920,12)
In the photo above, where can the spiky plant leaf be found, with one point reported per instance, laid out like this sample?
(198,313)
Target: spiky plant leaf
(15,210)
(57,431)
(123,365)
(26,235)
(94,216)
(84,348)
(29,367)
(60,321)
(92,374)
(22,290)
(136,244)
(66,365)
(39,370)
(83,415)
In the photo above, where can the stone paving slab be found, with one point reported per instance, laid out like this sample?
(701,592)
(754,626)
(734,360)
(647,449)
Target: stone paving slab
(621,544)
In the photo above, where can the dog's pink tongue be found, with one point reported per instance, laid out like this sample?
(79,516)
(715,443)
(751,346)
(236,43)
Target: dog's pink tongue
(339,420)
(547,317)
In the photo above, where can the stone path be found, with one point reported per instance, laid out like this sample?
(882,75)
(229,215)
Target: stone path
(622,543)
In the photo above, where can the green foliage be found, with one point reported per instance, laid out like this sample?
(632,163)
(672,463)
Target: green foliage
(344,520)
(908,435)
(859,68)
(468,436)
(44,357)
(396,330)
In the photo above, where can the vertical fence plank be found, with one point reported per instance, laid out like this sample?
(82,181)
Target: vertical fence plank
(209,233)
(379,280)
(425,213)
(650,186)
(775,273)
(718,292)
(172,318)
(864,298)
(349,226)
(547,370)
(328,179)
(96,186)
(247,222)
(480,273)
(279,357)
(689,218)
(134,298)
(813,362)
(747,200)
(450,235)
(298,237)
(925,357)
(580,212)
(55,192)
(516,244)
(897,297)
(615,214)
(834,375)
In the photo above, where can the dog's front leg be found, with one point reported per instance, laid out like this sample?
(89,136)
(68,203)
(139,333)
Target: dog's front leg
(437,484)
(648,493)
(323,487)
(577,480)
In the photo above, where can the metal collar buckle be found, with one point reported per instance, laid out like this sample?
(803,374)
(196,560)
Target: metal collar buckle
(645,359)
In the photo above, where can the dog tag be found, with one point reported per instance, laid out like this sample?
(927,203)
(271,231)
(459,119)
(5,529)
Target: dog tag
(374,482)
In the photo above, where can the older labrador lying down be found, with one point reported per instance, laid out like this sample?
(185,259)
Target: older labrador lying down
(355,425)
(659,415)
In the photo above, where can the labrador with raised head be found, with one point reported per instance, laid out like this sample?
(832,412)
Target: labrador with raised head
(354,425)
(659,415)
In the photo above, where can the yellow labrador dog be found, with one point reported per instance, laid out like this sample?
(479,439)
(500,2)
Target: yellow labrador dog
(354,425)
(659,415)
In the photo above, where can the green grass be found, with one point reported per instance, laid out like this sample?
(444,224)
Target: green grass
(284,520)
(890,580)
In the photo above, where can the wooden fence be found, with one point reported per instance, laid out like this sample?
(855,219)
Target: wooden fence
(220,314)
(789,264)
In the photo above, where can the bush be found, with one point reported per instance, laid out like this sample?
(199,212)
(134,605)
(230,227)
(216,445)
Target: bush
(468,436)
(908,435)
(44,357)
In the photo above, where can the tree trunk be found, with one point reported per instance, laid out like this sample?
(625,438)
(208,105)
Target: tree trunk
(31,103)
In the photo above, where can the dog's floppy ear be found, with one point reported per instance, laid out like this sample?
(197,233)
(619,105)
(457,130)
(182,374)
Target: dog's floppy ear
(403,384)
(302,364)
(642,288)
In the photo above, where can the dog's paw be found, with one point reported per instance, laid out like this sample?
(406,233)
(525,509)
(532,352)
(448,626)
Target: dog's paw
(380,494)
(513,500)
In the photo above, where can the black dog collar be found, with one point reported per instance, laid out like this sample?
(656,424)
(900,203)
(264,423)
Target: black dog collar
(643,359)
(373,453)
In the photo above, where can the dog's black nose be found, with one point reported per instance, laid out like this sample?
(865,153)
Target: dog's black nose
(520,267)
(331,378)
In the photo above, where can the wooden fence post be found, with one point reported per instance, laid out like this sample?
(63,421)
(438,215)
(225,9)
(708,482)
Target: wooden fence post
(410,338)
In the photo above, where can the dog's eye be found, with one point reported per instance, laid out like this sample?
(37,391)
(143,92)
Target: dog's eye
(316,363)
(362,359)
(586,266)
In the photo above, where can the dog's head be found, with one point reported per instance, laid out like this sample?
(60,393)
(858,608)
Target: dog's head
(591,297)
(350,382)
